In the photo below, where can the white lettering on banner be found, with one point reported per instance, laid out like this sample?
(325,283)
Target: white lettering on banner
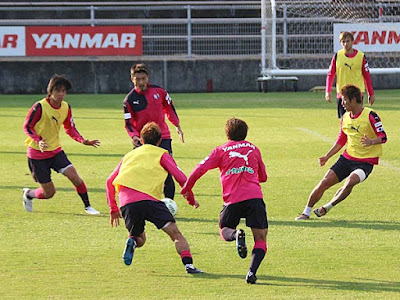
(39,40)
(54,41)
(72,41)
(12,41)
(128,39)
(84,40)
(370,37)
(89,42)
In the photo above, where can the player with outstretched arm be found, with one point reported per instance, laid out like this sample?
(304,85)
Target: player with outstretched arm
(42,125)
(241,171)
(361,128)
(138,179)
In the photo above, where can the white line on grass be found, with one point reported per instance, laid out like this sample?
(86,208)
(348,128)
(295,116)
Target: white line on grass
(330,140)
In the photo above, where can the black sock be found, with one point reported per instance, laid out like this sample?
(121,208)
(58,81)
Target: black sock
(187,260)
(85,199)
(257,257)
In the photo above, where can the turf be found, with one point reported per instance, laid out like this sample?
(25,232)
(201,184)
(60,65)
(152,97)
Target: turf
(59,252)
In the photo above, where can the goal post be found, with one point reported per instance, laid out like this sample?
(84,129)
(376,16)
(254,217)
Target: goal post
(299,37)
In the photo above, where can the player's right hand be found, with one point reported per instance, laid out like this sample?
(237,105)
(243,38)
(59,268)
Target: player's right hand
(322,160)
(136,141)
(114,218)
(328,97)
(43,145)
(196,204)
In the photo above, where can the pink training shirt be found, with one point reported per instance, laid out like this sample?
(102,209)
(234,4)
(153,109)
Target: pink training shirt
(127,195)
(241,171)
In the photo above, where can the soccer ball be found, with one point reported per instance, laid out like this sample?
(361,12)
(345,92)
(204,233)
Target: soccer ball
(171,205)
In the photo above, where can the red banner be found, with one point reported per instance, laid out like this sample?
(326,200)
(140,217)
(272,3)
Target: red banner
(83,40)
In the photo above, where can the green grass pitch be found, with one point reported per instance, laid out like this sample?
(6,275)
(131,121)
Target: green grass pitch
(59,252)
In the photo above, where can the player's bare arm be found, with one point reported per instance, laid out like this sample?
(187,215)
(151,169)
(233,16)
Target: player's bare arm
(335,149)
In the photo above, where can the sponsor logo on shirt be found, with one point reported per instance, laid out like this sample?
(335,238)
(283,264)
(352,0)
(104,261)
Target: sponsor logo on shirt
(240,170)
(239,145)
(234,154)
(156,96)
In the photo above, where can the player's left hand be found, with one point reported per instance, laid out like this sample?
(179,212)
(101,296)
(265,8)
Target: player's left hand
(180,132)
(114,219)
(196,204)
(93,143)
(365,141)
(371,100)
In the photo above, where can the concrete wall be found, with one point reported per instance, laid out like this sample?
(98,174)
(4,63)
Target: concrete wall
(26,77)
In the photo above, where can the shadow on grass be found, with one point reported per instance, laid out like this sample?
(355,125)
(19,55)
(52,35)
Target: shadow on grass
(63,189)
(373,224)
(71,154)
(361,284)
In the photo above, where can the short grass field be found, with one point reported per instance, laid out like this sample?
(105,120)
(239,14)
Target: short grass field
(59,252)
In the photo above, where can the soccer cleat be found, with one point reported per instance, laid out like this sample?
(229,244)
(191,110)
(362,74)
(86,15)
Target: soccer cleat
(26,202)
(302,217)
(319,212)
(190,269)
(129,251)
(241,243)
(251,277)
(91,211)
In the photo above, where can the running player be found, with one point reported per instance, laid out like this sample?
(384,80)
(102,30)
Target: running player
(362,130)
(42,125)
(150,103)
(139,180)
(351,67)
(241,171)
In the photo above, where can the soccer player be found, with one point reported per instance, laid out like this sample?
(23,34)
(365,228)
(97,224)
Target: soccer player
(351,67)
(241,171)
(362,130)
(150,103)
(42,125)
(139,180)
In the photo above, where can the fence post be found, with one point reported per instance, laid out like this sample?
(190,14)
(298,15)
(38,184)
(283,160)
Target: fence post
(92,15)
(284,29)
(189,31)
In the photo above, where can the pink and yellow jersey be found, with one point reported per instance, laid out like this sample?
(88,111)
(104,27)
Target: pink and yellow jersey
(353,128)
(349,69)
(241,171)
(44,122)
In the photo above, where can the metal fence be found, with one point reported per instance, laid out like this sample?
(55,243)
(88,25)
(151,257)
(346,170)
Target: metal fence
(193,30)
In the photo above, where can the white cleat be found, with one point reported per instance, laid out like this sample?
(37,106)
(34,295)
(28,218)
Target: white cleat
(91,211)
(26,202)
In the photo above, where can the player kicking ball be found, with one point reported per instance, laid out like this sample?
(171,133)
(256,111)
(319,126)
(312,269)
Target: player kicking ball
(139,181)
(42,126)
(362,130)
(241,171)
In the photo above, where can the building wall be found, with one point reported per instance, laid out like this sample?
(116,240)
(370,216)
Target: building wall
(26,77)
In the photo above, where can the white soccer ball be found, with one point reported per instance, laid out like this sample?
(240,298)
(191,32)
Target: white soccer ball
(171,205)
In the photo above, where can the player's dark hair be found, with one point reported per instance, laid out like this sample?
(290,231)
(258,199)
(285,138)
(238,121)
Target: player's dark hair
(345,34)
(151,133)
(58,81)
(139,68)
(351,92)
(236,129)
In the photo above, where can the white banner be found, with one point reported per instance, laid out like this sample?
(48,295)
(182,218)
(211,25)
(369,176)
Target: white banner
(12,41)
(370,37)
